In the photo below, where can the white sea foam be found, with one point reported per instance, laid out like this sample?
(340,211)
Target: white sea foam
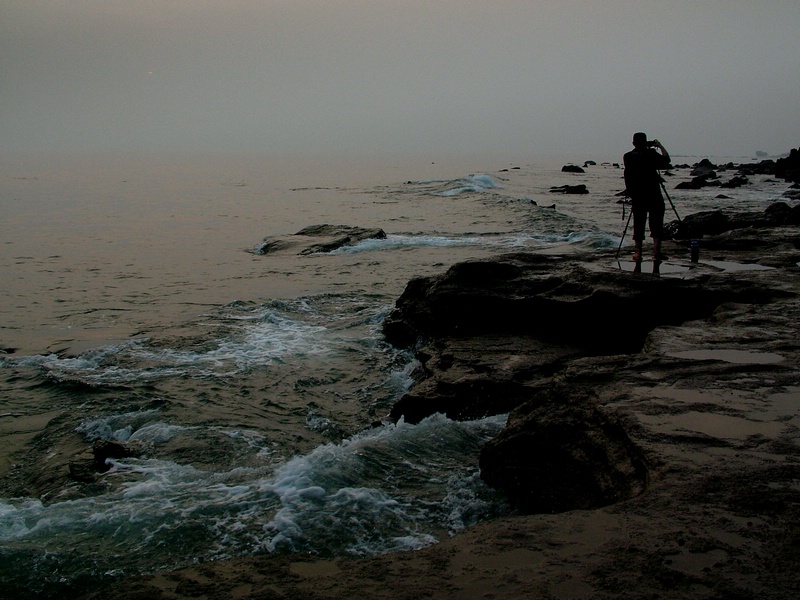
(349,497)
(259,340)
(263,339)
(399,241)
(118,428)
(521,240)
(320,508)
(471,184)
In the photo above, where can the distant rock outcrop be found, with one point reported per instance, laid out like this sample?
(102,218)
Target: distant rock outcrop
(570,189)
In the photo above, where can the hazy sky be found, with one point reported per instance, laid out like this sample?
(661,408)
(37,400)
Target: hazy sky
(526,78)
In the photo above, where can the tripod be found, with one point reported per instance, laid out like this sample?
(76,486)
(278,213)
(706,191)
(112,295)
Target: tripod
(624,231)
(663,187)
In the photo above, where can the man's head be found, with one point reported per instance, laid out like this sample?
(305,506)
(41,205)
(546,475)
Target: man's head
(640,140)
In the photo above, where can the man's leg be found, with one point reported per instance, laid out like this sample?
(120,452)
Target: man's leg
(639,221)
(657,249)
(657,228)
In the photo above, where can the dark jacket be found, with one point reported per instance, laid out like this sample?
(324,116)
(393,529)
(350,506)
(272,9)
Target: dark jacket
(642,180)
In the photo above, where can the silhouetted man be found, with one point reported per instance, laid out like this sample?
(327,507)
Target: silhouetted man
(643,186)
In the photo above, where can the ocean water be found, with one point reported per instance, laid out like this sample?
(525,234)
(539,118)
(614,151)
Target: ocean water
(135,307)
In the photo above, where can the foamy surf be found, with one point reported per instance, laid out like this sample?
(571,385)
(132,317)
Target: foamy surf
(396,487)
(247,338)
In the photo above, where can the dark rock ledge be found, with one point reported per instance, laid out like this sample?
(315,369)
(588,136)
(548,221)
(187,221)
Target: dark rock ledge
(553,340)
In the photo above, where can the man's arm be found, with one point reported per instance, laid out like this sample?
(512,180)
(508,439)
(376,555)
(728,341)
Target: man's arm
(664,153)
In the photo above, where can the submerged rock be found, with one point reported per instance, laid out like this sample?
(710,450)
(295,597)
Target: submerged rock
(332,238)
(570,189)
(340,236)
(90,462)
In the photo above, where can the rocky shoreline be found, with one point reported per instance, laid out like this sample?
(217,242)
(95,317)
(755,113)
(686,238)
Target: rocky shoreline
(653,443)
(496,336)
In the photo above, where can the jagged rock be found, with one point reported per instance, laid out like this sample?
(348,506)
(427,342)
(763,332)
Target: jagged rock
(338,236)
(788,168)
(702,181)
(560,452)
(104,450)
(705,168)
(341,235)
(86,465)
(765,167)
(735,182)
(82,467)
(698,182)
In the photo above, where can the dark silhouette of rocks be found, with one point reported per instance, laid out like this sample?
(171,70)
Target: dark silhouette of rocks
(712,180)
(572,169)
(568,305)
(788,168)
(86,466)
(713,223)
(705,168)
(706,174)
(764,167)
(570,189)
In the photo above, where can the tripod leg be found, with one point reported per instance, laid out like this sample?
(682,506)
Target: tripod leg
(663,187)
(624,231)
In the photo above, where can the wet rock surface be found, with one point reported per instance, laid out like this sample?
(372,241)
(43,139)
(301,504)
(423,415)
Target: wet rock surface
(560,451)
(319,239)
(564,343)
